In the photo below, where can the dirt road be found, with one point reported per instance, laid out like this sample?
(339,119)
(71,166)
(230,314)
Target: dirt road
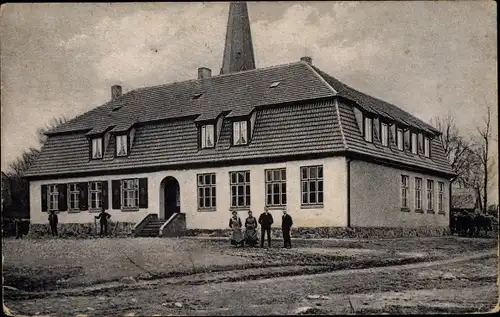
(459,284)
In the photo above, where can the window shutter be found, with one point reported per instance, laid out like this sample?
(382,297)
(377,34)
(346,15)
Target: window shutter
(143,193)
(44,198)
(105,199)
(84,196)
(116,187)
(63,201)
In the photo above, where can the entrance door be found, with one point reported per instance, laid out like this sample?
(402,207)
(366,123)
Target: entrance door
(171,196)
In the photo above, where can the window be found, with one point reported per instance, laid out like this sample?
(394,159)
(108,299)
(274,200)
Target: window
(240,189)
(406,144)
(430,194)
(418,193)
(440,196)
(130,193)
(97,148)
(400,140)
(368,129)
(206,191)
(95,195)
(276,187)
(420,143)
(312,185)
(207,136)
(385,134)
(427,147)
(73,197)
(414,143)
(121,145)
(53,194)
(240,134)
(404,191)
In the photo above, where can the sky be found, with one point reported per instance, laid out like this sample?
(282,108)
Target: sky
(429,58)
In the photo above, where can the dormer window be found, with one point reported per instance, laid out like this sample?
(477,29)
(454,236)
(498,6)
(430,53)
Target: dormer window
(240,133)
(400,140)
(121,145)
(420,143)
(96,148)
(207,136)
(414,143)
(368,129)
(427,147)
(385,134)
(407,141)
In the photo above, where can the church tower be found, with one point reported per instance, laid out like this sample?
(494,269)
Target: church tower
(238,51)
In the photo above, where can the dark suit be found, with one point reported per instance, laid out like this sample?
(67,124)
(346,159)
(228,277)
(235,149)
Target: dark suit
(103,220)
(53,223)
(286,225)
(265,221)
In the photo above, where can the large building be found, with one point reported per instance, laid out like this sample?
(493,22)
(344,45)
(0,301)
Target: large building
(283,136)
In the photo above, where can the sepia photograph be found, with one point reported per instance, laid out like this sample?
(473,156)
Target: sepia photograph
(249,158)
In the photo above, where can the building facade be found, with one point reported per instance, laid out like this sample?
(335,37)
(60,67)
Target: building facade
(288,136)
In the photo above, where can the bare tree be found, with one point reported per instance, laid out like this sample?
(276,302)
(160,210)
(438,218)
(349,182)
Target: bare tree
(483,146)
(52,124)
(459,151)
(17,169)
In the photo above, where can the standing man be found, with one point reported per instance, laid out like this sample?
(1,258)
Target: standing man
(286,225)
(265,221)
(103,220)
(53,222)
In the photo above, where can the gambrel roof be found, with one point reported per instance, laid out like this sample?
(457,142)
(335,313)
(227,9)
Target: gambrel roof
(299,110)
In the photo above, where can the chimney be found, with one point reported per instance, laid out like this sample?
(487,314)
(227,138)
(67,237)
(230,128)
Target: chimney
(116,91)
(204,72)
(307,59)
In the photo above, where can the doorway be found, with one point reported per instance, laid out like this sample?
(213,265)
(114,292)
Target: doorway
(170,195)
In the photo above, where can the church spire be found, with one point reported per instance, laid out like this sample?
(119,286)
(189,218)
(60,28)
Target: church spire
(238,51)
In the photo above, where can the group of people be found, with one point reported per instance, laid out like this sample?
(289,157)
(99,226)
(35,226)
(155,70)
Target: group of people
(103,221)
(250,236)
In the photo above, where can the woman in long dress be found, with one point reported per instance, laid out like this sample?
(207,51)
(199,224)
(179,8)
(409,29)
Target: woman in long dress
(251,230)
(235,225)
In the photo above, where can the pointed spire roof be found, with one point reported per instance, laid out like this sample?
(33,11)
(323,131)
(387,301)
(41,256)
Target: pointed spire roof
(238,51)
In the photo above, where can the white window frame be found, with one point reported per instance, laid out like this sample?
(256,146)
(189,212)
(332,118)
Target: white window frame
(73,197)
(307,179)
(414,145)
(52,197)
(430,194)
(405,189)
(368,129)
(130,193)
(420,143)
(206,188)
(275,187)
(400,139)
(240,132)
(95,195)
(207,136)
(440,196)
(418,193)
(97,152)
(121,145)
(236,184)
(384,134)
(427,147)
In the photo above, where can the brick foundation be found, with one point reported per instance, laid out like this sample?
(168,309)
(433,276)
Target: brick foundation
(81,230)
(338,232)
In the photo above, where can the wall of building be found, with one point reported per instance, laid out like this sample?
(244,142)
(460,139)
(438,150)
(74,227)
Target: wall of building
(333,213)
(375,198)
